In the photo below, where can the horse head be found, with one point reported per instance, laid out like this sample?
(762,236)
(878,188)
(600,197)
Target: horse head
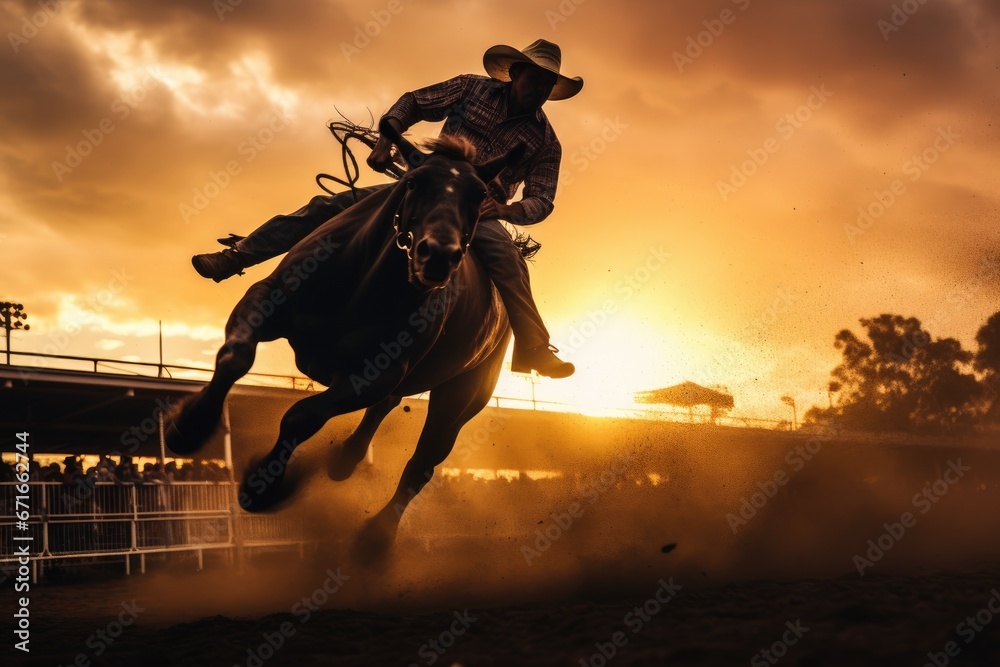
(437,216)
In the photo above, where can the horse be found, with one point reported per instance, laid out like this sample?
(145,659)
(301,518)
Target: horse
(380,302)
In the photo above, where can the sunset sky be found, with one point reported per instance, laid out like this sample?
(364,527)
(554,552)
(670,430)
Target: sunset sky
(707,223)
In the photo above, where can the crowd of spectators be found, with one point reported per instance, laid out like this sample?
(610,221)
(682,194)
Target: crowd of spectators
(85,508)
(125,471)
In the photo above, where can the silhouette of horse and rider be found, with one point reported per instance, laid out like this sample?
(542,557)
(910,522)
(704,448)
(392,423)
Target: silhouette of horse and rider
(381,299)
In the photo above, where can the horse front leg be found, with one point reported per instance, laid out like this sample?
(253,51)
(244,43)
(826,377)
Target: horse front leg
(450,407)
(193,422)
(379,533)
(346,456)
(265,484)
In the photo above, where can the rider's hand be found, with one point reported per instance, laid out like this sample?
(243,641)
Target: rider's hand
(381,156)
(491,208)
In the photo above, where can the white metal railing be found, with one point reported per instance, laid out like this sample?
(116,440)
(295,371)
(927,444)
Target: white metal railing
(108,519)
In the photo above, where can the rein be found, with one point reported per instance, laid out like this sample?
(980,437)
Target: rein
(344,131)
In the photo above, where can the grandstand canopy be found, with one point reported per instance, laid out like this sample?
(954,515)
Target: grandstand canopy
(80,412)
(687,395)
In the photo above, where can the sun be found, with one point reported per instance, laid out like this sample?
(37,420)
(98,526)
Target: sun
(623,357)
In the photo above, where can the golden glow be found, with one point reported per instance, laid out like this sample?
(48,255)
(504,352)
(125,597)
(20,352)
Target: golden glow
(650,272)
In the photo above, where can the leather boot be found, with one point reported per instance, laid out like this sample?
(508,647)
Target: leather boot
(541,359)
(219,265)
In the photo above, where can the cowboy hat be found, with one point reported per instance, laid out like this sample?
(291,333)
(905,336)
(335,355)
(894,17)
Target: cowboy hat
(498,59)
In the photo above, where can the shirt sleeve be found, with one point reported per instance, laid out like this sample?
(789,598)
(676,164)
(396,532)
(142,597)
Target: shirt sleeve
(432,103)
(540,184)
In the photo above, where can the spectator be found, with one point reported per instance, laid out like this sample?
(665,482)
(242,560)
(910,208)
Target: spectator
(71,470)
(126,472)
(106,469)
(153,474)
(54,473)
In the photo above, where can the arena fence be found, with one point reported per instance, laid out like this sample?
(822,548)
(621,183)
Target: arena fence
(110,520)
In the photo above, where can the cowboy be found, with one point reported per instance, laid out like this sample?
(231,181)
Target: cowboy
(495,114)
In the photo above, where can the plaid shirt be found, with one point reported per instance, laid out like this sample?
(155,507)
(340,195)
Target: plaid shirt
(475,108)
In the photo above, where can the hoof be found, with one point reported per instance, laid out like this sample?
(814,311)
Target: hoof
(374,543)
(342,465)
(260,491)
(179,443)
(190,425)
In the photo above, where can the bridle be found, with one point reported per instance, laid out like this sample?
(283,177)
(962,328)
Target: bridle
(404,240)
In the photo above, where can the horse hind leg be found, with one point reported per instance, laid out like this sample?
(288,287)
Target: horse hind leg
(265,485)
(196,418)
(346,456)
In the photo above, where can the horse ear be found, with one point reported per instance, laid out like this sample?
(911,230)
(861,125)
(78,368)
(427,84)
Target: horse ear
(488,171)
(411,154)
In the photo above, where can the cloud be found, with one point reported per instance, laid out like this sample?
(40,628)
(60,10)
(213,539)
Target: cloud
(163,97)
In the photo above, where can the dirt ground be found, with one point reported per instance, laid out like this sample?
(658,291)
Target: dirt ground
(861,555)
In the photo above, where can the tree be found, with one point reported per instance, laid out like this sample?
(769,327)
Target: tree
(900,379)
(987,362)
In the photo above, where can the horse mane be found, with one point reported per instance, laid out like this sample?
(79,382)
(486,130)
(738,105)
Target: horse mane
(459,148)
(453,148)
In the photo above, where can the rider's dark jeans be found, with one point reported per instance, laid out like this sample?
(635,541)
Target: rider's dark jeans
(492,243)
(280,233)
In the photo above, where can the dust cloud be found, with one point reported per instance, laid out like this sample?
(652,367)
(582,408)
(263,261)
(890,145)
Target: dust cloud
(634,503)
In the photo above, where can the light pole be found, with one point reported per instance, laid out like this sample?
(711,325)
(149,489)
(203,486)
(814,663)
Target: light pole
(12,316)
(788,400)
(834,386)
